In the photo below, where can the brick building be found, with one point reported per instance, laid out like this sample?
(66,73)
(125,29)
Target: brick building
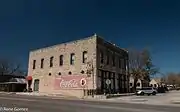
(79,68)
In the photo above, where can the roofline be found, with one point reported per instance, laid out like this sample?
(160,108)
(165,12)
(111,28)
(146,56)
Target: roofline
(72,41)
(113,44)
(67,42)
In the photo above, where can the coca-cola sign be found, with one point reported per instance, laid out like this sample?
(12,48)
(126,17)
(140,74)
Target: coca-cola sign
(70,82)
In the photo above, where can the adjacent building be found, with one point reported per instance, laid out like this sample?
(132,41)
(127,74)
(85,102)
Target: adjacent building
(12,83)
(139,84)
(156,82)
(80,68)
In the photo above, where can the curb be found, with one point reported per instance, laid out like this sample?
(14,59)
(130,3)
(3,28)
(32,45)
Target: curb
(52,96)
(7,93)
(119,95)
(175,102)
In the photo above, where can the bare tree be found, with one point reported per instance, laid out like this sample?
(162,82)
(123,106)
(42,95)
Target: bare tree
(140,65)
(8,67)
(149,67)
(173,78)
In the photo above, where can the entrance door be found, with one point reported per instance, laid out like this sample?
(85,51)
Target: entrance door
(36,85)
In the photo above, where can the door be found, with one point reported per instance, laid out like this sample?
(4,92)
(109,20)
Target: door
(36,85)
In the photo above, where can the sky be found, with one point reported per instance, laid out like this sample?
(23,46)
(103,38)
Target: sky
(30,24)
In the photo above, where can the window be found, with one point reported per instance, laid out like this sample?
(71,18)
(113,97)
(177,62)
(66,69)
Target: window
(125,64)
(138,84)
(113,59)
(119,62)
(59,73)
(70,73)
(51,61)
(131,84)
(60,60)
(107,58)
(85,57)
(49,74)
(72,58)
(42,63)
(34,64)
(101,57)
(155,85)
(122,64)
(82,71)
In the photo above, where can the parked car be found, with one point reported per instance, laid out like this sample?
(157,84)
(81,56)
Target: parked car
(146,90)
(161,89)
(178,88)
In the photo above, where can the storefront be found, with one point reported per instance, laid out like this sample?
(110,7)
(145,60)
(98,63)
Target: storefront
(13,85)
(118,82)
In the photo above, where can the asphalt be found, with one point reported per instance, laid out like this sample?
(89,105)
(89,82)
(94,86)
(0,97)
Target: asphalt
(19,103)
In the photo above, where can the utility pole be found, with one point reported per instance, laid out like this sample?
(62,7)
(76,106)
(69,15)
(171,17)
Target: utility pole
(90,71)
(93,78)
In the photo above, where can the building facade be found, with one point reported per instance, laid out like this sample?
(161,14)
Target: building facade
(79,68)
(156,82)
(140,83)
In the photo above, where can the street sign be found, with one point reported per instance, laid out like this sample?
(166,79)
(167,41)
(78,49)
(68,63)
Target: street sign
(108,81)
(83,82)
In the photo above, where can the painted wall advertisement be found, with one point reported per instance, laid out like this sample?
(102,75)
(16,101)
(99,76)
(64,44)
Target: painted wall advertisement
(70,82)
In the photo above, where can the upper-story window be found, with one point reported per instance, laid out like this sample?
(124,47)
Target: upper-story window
(113,59)
(85,57)
(119,62)
(51,61)
(122,63)
(34,64)
(101,57)
(42,63)
(125,64)
(72,58)
(107,58)
(61,60)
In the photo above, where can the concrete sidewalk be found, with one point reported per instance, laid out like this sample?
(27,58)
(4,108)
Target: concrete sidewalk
(7,92)
(52,96)
(170,98)
(31,93)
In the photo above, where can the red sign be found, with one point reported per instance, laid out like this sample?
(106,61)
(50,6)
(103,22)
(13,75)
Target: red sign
(70,82)
(29,77)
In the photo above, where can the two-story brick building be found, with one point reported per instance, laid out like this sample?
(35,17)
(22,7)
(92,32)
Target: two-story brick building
(79,68)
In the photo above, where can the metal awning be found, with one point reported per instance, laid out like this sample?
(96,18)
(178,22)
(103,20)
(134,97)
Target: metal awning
(17,80)
(21,80)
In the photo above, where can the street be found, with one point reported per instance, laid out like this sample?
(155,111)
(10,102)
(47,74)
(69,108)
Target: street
(47,104)
(169,98)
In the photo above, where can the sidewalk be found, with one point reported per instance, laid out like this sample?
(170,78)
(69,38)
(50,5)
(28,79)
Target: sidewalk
(7,92)
(53,96)
(172,98)
(31,94)
(110,96)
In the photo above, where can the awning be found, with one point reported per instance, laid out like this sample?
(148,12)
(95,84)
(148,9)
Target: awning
(29,77)
(17,80)
(12,83)
(21,80)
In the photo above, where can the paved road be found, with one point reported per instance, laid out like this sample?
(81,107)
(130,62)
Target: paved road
(46,104)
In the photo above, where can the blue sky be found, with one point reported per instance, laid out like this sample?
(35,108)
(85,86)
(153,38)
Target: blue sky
(31,24)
